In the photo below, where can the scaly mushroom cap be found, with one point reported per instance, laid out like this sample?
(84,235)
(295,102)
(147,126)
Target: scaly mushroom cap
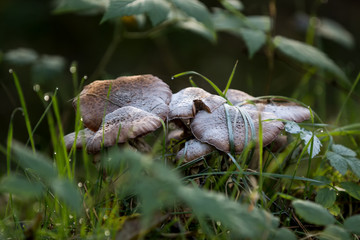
(182,103)
(123,124)
(83,137)
(212,127)
(194,149)
(236,96)
(145,92)
(282,109)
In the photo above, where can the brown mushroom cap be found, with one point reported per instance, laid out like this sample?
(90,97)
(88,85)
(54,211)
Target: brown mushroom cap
(145,92)
(212,127)
(182,103)
(132,122)
(236,96)
(83,137)
(194,150)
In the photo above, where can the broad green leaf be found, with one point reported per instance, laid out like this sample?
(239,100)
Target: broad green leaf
(326,197)
(68,193)
(157,10)
(195,9)
(342,150)
(352,224)
(313,212)
(352,189)
(21,56)
(306,136)
(309,55)
(38,163)
(225,21)
(332,30)
(284,234)
(337,161)
(259,22)
(236,4)
(254,39)
(354,164)
(21,186)
(81,5)
(333,232)
(198,28)
(292,127)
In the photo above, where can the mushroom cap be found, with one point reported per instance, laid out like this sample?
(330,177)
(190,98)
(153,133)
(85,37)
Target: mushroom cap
(283,110)
(83,137)
(194,150)
(182,103)
(212,127)
(132,122)
(145,92)
(236,96)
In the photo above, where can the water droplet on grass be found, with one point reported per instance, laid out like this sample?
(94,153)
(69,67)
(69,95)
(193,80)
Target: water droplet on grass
(107,232)
(85,77)
(36,87)
(80,185)
(73,69)
(10,71)
(46,97)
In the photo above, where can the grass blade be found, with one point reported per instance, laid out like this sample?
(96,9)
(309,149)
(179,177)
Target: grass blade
(230,78)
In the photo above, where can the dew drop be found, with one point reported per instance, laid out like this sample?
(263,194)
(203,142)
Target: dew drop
(85,77)
(54,153)
(36,87)
(69,159)
(10,71)
(107,232)
(46,97)
(105,217)
(81,119)
(172,78)
(73,69)
(80,185)
(71,216)
(81,221)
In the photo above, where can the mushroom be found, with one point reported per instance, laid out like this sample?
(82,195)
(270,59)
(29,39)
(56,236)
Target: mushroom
(83,137)
(212,128)
(194,149)
(237,97)
(145,92)
(135,106)
(185,103)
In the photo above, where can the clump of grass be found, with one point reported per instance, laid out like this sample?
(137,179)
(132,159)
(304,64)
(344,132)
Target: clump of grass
(125,193)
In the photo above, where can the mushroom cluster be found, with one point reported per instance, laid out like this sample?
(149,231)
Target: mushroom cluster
(115,111)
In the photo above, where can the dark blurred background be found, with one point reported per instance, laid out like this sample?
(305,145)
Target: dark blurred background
(58,40)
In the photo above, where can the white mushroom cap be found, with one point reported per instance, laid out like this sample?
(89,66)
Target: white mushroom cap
(83,137)
(145,92)
(212,127)
(236,96)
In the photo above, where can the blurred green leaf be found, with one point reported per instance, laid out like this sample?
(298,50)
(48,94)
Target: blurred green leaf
(333,232)
(236,4)
(81,5)
(156,10)
(195,9)
(313,212)
(20,186)
(292,127)
(326,197)
(259,22)
(342,150)
(332,30)
(284,234)
(254,39)
(337,161)
(352,189)
(48,68)
(352,224)
(21,56)
(309,55)
(198,28)
(68,193)
(40,164)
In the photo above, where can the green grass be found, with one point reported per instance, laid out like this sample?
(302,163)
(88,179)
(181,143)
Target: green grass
(65,196)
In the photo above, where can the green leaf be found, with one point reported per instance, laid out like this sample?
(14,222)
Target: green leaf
(309,55)
(354,164)
(333,232)
(40,164)
(254,39)
(21,187)
(80,5)
(292,127)
(352,189)
(332,30)
(21,56)
(236,4)
(326,197)
(68,193)
(352,224)
(259,22)
(307,136)
(313,213)
(337,161)
(198,28)
(195,9)
(342,150)
(284,234)
(157,10)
